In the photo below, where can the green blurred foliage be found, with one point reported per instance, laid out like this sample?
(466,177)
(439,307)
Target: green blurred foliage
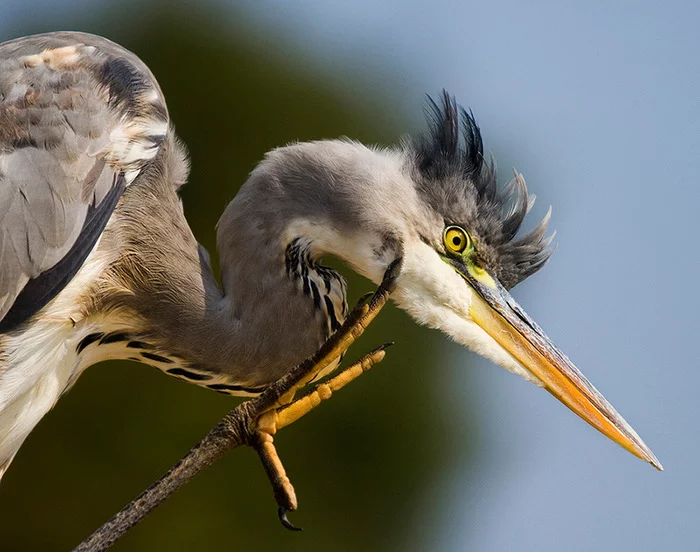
(366,466)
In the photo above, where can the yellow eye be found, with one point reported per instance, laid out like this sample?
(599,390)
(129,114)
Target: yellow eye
(456,240)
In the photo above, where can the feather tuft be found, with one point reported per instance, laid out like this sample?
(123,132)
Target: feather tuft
(454,177)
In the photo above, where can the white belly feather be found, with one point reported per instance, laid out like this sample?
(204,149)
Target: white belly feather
(40,362)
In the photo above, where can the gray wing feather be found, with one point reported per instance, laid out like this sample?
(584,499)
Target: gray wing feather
(80,117)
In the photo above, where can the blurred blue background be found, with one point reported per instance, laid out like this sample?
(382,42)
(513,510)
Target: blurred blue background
(598,105)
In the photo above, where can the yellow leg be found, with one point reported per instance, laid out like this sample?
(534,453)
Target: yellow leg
(353,327)
(273,420)
(277,403)
(323,391)
(361,316)
(282,487)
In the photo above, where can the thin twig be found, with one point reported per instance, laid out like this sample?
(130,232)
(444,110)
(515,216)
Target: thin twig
(238,427)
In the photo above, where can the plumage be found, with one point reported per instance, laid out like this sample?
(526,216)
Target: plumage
(454,176)
(77,124)
(97,260)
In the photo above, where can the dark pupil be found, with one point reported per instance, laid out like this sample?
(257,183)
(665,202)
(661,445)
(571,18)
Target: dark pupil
(457,241)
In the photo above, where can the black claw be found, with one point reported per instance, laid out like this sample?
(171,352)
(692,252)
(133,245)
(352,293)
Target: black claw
(364,299)
(282,513)
(392,274)
(386,346)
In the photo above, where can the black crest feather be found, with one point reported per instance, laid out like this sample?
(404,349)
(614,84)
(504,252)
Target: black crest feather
(460,184)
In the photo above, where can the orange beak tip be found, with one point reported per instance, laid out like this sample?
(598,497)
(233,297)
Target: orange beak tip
(510,327)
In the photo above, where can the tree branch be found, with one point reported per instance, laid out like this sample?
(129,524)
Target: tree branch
(242,426)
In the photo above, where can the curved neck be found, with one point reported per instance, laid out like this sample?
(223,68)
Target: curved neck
(348,200)
(303,202)
(278,303)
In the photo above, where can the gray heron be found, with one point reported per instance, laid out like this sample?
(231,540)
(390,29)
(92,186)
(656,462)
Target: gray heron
(97,260)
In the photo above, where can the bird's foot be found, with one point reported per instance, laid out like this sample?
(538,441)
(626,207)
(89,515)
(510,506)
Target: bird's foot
(284,410)
(273,420)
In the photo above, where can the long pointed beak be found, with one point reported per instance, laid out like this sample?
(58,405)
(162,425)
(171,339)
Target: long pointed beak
(497,313)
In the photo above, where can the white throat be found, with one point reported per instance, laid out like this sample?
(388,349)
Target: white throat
(436,296)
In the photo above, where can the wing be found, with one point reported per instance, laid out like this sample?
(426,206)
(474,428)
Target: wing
(80,117)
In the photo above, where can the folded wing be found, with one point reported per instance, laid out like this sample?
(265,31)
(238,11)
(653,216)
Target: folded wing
(80,118)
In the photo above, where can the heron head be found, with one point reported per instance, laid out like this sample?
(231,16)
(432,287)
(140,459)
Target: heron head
(435,204)
(458,267)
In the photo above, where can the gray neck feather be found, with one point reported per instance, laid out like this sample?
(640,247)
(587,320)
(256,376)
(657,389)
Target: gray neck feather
(303,202)
(278,302)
